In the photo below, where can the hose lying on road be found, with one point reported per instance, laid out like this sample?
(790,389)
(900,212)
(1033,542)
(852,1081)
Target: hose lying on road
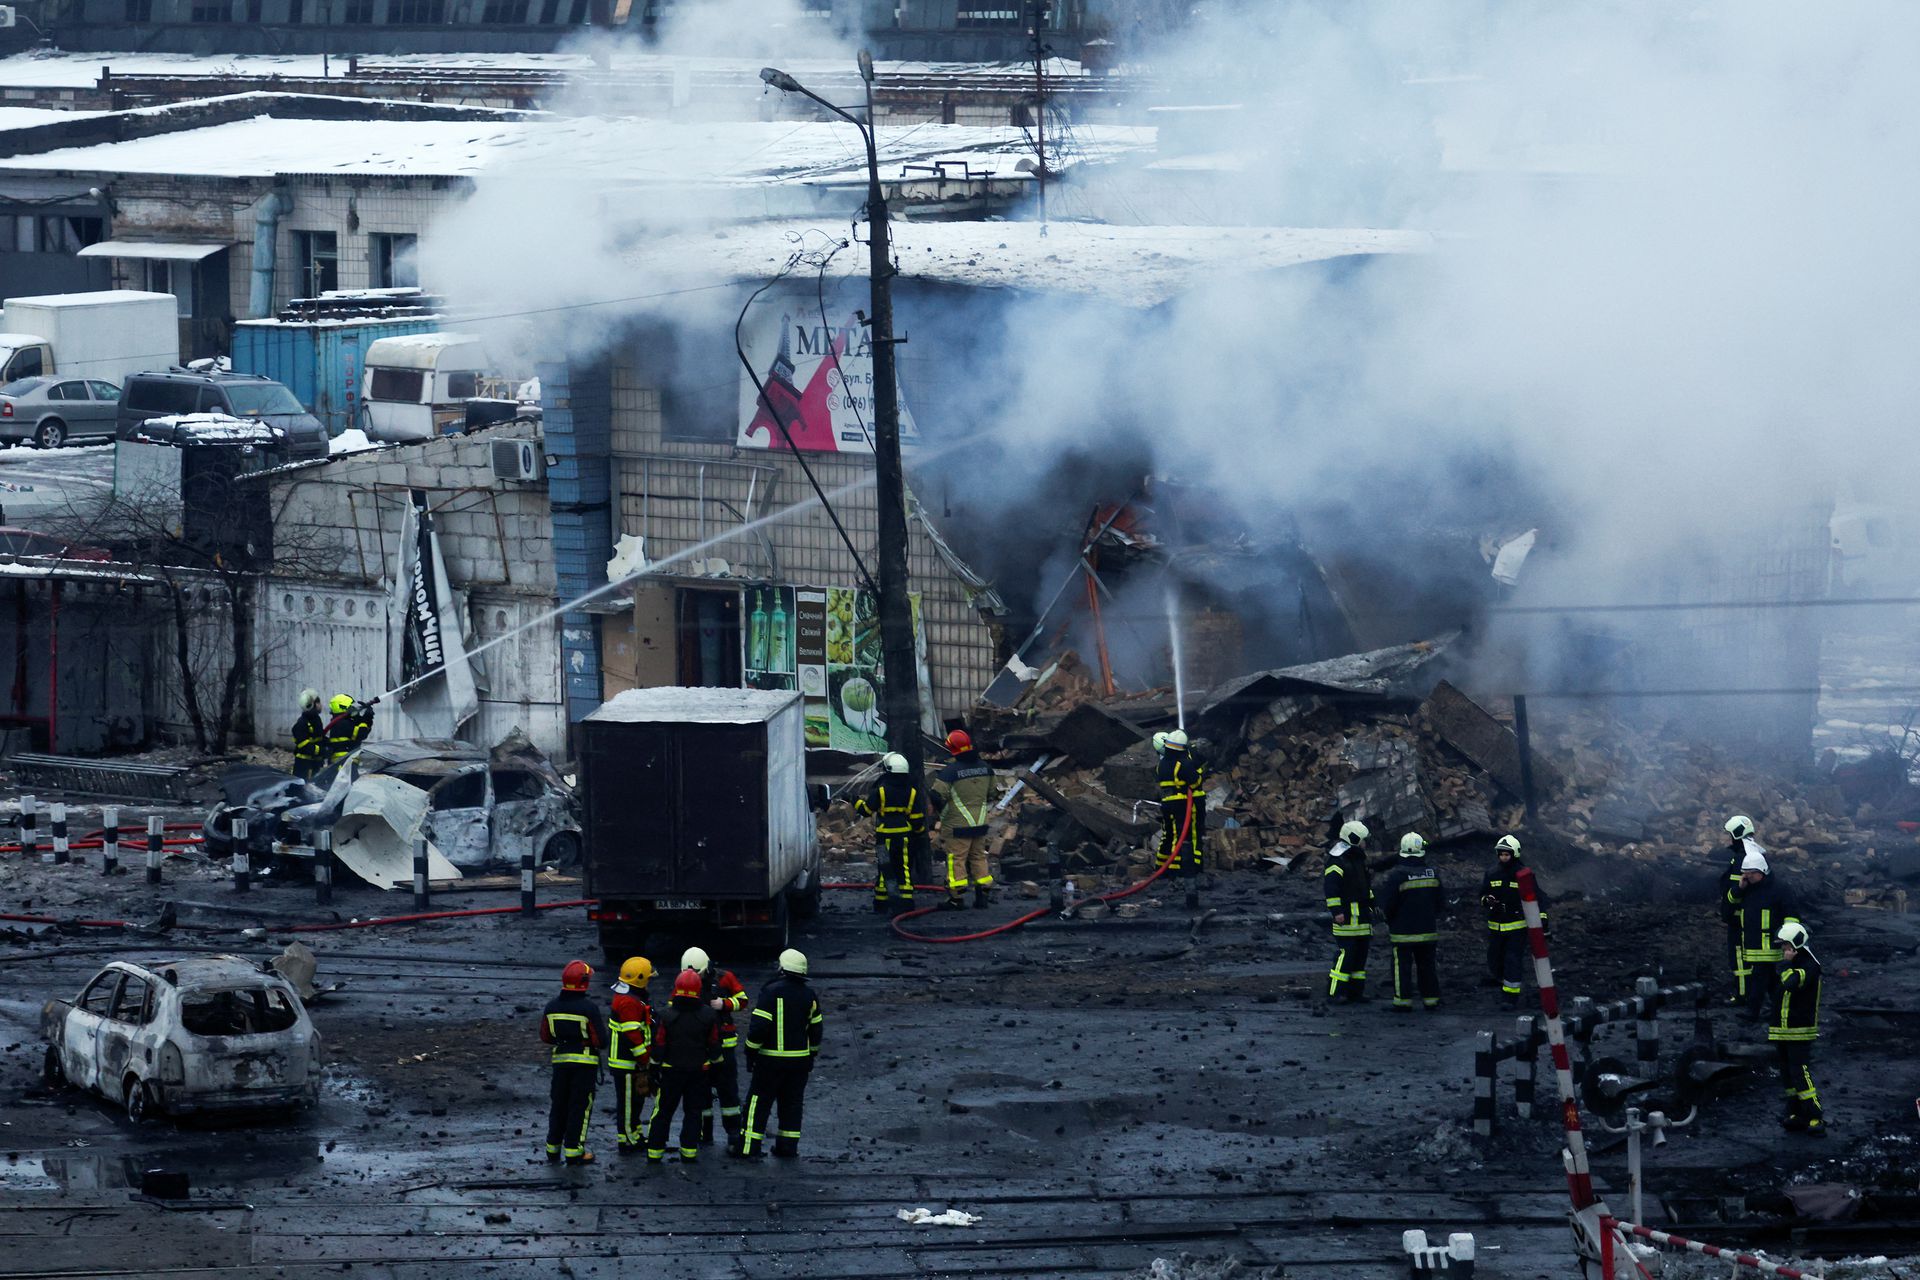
(330,926)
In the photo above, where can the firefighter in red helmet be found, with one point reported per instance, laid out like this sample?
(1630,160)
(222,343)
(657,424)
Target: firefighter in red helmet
(963,800)
(571,1025)
(688,1046)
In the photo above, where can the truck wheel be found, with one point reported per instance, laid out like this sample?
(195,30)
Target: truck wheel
(51,1072)
(50,434)
(619,941)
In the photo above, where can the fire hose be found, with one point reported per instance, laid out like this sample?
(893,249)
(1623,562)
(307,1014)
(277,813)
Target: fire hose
(92,839)
(1186,826)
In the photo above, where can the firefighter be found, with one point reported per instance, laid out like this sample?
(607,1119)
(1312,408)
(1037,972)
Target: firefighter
(1183,800)
(783,1043)
(571,1024)
(1507,949)
(309,737)
(1795,1026)
(688,1043)
(725,996)
(1761,904)
(965,791)
(898,815)
(1411,900)
(1740,842)
(340,727)
(630,1033)
(1350,899)
(362,713)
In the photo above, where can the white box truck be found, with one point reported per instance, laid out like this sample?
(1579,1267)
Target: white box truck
(106,335)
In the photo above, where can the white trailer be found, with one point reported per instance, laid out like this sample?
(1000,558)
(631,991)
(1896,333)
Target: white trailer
(107,334)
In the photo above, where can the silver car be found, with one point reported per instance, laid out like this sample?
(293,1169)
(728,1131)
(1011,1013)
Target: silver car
(203,1033)
(50,410)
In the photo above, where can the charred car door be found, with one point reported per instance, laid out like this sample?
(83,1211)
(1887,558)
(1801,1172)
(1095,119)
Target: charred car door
(80,1041)
(122,1042)
(457,817)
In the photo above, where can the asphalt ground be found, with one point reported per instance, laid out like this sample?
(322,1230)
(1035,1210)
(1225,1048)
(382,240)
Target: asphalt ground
(1101,1094)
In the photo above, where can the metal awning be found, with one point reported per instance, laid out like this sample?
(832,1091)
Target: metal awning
(162,249)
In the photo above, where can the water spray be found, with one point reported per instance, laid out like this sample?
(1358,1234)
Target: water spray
(1179,675)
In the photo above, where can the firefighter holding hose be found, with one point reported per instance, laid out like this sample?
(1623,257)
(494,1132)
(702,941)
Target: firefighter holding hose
(1183,807)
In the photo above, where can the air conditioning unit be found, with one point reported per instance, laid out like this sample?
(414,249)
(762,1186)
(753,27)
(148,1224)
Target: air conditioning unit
(520,461)
(7,17)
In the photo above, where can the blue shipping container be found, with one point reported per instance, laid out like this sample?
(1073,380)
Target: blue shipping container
(321,361)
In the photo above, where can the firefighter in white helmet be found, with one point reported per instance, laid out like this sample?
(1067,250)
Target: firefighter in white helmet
(783,1043)
(1761,903)
(723,994)
(1183,811)
(899,813)
(1350,901)
(1507,950)
(1740,842)
(1411,899)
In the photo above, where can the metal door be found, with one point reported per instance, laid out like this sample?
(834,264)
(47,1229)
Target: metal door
(721,844)
(628,772)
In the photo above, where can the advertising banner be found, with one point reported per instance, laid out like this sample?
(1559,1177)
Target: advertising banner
(428,637)
(825,642)
(818,372)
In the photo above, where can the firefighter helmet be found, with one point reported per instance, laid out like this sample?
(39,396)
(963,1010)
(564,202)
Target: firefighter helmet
(576,976)
(340,703)
(793,961)
(1354,832)
(893,762)
(309,698)
(695,959)
(637,971)
(1412,844)
(1739,826)
(1507,844)
(1755,861)
(1177,740)
(1794,934)
(687,984)
(958,741)
(1160,742)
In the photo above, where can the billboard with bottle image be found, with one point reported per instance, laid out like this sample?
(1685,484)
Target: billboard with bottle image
(824,641)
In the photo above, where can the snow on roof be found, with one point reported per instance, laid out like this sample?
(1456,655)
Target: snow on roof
(206,428)
(621,150)
(24,117)
(42,69)
(1131,265)
(419,350)
(695,706)
(92,298)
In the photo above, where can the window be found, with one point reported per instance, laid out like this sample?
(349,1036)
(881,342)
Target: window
(318,256)
(20,387)
(175,278)
(463,791)
(358,13)
(212,11)
(578,14)
(99,997)
(139,11)
(296,10)
(25,364)
(104,390)
(419,13)
(402,385)
(58,234)
(132,1005)
(392,262)
(986,14)
(210,401)
(463,386)
(75,390)
(161,395)
(254,399)
(510,785)
(248,1012)
(504,11)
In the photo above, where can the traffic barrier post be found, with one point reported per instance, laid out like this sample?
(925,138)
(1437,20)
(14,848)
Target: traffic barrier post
(61,853)
(156,846)
(109,840)
(323,866)
(242,868)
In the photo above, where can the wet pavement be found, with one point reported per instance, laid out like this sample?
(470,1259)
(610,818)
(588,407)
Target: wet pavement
(1100,1093)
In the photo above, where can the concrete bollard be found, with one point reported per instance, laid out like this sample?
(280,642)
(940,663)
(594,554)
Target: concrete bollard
(62,851)
(109,840)
(30,830)
(323,866)
(156,832)
(419,873)
(526,882)
(1484,1067)
(242,868)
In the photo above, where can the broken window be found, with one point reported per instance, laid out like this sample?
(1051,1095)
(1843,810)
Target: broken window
(133,1006)
(467,791)
(318,253)
(98,998)
(463,386)
(359,13)
(212,11)
(249,1012)
(514,784)
(391,261)
(139,10)
(403,385)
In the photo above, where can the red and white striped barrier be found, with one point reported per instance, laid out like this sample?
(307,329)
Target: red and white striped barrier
(1609,1227)
(1579,1177)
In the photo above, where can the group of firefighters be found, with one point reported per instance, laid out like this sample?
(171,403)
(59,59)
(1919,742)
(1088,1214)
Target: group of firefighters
(318,743)
(685,1058)
(1776,977)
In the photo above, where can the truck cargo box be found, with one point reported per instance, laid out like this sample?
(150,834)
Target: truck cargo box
(105,334)
(696,796)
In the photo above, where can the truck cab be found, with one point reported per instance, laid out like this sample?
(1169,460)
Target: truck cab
(24,355)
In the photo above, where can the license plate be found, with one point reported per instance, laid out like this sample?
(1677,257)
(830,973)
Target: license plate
(677,904)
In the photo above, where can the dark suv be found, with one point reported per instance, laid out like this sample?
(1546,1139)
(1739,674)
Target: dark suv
(238,395)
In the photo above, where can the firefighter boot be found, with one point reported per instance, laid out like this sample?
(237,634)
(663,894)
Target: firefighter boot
(786,1148)
(981,897)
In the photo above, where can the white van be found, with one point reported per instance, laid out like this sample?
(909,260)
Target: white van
(417,386)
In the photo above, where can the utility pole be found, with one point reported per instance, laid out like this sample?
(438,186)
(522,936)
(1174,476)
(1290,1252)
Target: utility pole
(1036,22)
(899,669)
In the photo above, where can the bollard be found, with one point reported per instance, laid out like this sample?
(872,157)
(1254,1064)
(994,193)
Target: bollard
(156,833)
(1056,876)
(323,866)
(1484,1067)
(526,882)
(242,870)
(61,850)
(419,873)
(1646,1031)
(1523,1084)
(109,840)
(30,830)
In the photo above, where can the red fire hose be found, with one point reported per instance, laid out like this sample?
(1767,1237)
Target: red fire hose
(1186,825)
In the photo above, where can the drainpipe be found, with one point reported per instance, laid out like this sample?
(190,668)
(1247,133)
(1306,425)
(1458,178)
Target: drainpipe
(266,245)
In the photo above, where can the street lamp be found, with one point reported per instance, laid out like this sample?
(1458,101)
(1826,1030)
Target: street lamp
(902,692)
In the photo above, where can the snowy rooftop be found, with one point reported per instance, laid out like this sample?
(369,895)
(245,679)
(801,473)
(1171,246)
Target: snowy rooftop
(1133,266)
(695,706)
(21,117)
(601,149)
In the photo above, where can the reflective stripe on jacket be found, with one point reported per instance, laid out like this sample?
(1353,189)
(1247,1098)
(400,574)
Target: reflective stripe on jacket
(1349,891)
(1411,900)
(894,806)
(967,786)
(571,1024)
(1182,776)
(786,1021)
(309,736)
(1797,1013)
(629,1032)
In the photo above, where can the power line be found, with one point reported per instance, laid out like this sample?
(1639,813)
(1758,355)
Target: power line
(1685,606)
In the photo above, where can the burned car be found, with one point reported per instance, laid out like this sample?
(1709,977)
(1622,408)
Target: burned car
(476,807)
(204,1033)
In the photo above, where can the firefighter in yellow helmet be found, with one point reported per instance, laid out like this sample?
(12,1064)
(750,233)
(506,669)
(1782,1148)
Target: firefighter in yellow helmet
(630,1033)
